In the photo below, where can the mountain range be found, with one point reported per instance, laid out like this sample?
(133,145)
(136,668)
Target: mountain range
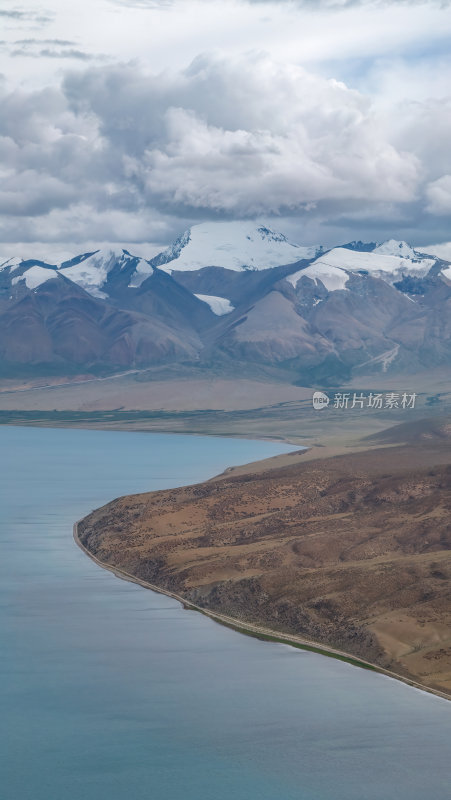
(231,294)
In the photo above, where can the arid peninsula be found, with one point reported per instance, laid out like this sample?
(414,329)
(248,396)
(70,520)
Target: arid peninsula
(351,552)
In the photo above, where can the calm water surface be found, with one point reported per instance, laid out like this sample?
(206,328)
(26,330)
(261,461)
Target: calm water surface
(111,692)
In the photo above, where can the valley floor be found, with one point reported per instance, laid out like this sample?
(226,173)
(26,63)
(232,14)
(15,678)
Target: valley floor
(221,405)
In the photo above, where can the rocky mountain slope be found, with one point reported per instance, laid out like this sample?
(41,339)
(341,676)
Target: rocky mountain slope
(58,325)
(230,293)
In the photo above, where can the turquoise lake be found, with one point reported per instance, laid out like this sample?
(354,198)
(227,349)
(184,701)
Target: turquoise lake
(111,692)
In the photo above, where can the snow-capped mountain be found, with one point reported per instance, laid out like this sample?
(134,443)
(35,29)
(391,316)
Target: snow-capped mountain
(235,246)
(10,263)
(35,276)
(334,267)
(232,293)
(91,271)
(63,319)
(393,247)
(232,245)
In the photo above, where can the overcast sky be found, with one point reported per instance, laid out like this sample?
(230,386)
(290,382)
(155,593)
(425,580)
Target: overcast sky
(128,120)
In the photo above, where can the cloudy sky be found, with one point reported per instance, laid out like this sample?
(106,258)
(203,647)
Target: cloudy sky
(128,120)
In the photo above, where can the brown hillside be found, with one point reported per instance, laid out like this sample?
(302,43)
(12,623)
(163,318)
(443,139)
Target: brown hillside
(353,552)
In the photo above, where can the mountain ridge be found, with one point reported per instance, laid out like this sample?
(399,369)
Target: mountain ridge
(341,309)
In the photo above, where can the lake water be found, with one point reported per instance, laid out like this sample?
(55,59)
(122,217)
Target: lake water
(111,692)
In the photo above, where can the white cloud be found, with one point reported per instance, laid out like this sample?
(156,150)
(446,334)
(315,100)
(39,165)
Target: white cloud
(162,35)
(239,137)
(424,127)
(82,223)
(243,137)
(439,196)
(141,149)
(316,5)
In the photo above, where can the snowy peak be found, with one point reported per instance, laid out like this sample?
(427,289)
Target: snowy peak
(14,263)
(271,236)
(392,247)
(35,276)
(236,246)
(334,268)
(260,300)
(91,270)
(173,251)
(10,263)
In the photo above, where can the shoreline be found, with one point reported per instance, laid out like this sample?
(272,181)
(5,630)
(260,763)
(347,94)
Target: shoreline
(257,631)
(308,449)
(275,439)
